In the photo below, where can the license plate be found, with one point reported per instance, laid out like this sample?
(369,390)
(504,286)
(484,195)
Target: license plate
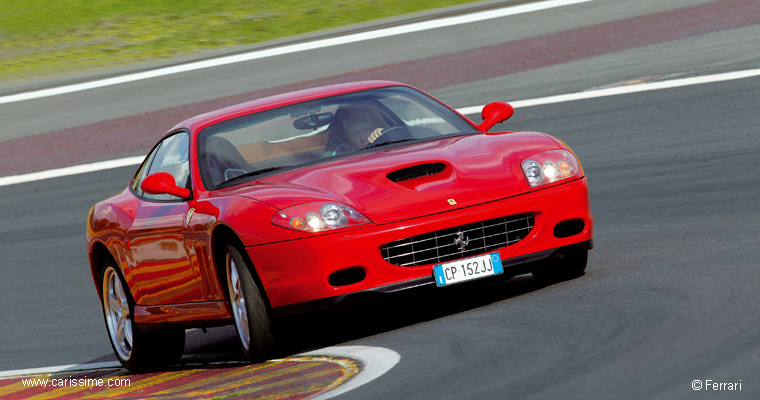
(468,269)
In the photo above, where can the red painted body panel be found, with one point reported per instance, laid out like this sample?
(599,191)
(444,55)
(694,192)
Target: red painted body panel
(159,262)
(165,250)
(479,171)
(297,271)
(193,314)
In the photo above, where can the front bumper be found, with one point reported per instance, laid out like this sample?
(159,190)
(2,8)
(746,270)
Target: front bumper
(517,266)
(297,273)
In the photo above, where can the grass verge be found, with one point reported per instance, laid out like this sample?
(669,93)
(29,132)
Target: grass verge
(45,38)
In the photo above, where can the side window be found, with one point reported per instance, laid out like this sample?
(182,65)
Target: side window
(172,156)
(143,172)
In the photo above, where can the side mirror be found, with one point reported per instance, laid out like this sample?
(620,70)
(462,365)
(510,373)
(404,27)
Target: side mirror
(493,113)
(163,183)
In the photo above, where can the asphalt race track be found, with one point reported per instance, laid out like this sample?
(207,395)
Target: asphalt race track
(669,302)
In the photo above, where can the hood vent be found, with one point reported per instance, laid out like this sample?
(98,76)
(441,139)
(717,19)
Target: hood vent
(416,171)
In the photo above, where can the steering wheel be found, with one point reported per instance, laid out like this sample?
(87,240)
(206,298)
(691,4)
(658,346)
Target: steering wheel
(391,134)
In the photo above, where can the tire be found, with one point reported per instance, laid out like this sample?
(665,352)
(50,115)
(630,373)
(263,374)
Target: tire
(252,322)
(136,350)
(564,266)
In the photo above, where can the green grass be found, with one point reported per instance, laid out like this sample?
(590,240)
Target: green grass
(44,38)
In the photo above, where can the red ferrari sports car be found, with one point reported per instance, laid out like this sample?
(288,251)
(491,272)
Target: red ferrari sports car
(302,200)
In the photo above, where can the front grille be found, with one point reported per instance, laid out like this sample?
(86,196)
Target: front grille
(416,171)
(445,245)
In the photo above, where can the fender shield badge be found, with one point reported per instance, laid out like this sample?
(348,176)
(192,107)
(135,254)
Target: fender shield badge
(189,216)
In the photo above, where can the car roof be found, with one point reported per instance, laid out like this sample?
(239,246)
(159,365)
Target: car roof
(198,122)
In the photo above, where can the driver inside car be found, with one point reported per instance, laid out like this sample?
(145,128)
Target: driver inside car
(360,129)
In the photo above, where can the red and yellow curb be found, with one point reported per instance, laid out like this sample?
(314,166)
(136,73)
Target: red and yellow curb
(287,378)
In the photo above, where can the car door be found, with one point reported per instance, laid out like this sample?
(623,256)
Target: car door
(161,267)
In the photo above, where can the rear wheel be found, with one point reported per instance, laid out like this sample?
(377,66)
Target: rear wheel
(136,350)
(566,265)
(248,308)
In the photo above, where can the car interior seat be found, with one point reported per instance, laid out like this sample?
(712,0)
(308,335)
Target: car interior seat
(223,160)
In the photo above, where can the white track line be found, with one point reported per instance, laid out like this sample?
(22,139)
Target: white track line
(591,94)
(294,48)
(68,171)
(614,91)
(59,368)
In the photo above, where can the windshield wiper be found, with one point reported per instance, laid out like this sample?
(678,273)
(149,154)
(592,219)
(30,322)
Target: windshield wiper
(391,142)
(250,174)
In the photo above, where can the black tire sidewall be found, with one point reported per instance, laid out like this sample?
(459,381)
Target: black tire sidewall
(261,345)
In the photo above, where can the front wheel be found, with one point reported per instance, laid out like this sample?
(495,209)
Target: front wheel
(248,308)
(136,350)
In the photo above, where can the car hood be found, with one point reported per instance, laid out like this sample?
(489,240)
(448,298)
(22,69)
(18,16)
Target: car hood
(410,181)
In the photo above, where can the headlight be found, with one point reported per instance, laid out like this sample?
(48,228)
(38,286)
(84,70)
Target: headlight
(317,217)
(332,215)
(549,166)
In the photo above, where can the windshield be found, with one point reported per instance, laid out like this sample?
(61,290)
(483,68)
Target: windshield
(321,129)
